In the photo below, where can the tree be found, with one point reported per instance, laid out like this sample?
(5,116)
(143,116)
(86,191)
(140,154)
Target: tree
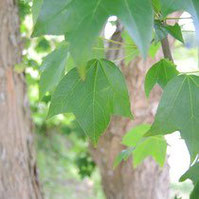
(101,85)
(126,181)
(18,172)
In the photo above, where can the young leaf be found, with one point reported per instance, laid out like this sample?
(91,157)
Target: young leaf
(53,69)
(154,49)
(133,137)
(162,30)
(82,21)
(154,146)
(161,73)
(130,49)
(103,93)
(178,111)
(175,31)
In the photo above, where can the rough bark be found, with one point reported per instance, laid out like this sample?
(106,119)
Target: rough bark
(18,174)
(148,181)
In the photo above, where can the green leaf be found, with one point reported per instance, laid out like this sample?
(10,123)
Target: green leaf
(130,49)
(161,73)
(143,147)
(160,31)
(163,29)
(191,6)
(139,26)
(176,197)
(135,135)
(53,68)
(36,7)
(195,192)
(192,174)
(103,93)
(178,111)
(123,156)
(175,31)
(154,146)
(82,21)
(154,49)
(156,5)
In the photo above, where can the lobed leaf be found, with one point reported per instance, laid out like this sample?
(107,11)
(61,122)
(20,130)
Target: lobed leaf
(154,146)
(161,72)
(178,111)
(103,93)
(82,21)
(53,69)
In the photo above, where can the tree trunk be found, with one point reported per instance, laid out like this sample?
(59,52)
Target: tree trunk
(148,181)
(18,174)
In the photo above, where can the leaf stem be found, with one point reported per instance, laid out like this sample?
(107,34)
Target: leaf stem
(178,18)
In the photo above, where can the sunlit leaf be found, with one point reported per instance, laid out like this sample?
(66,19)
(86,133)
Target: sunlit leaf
(154,146)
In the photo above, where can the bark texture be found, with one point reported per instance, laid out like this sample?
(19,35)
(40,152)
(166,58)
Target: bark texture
(148,181)
(18,174)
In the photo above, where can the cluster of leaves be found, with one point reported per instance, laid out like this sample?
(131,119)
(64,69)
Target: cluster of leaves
(64,128)
(95,89)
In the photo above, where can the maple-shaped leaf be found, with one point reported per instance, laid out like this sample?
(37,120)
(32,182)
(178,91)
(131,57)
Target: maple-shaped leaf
(161,72)
(94,100)
(83,20)
(178,111)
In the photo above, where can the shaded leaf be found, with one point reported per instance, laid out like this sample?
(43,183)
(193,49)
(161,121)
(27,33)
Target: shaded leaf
(83,20)
(36,7)
(103,93)
(53,69)
(162,30)
(192,174)
(161,73)
(191,6)
(178,111)
(195,192)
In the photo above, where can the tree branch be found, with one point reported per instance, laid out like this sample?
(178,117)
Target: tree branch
(166,49)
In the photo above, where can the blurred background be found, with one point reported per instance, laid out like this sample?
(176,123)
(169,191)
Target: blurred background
(65,167)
